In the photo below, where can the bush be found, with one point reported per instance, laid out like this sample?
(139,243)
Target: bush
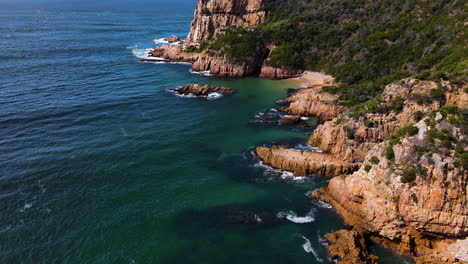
(437,94)
(418,116)
(409,175)
(338,121)
(367,168)
(375,160)
(408,130)
(414,197)
(389,153)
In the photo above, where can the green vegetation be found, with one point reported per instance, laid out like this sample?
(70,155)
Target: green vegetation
(237,44)
(414,197)
(409,175)
(390,153)
(375,160)
(418,115)
(367,168)
(364,44)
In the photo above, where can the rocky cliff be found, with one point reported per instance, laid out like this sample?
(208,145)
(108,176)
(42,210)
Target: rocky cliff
(412,190)
(211,19)
(352,134)
(213,16)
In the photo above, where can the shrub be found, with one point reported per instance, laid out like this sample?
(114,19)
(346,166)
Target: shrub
(390,153)
(338,121)
(409,175)
(418,116)
(206,12)
(437,94)
(375,160)
(369,123)
(367,168)
(349,133)
(414,197)
(408,130)
(331,89)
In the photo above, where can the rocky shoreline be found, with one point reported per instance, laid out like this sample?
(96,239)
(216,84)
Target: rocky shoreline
(398,161)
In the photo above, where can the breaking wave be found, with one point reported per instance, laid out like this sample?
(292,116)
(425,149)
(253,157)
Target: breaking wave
(293,217)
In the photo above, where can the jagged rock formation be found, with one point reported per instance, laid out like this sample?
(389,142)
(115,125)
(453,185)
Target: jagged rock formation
(414,195)
(349,247)
(172,39)
(349,138)
(202,90)
(212,16)
(303,163)
(278,73)
(313,102)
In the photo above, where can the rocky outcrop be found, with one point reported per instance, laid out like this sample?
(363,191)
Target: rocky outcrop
(303,163)
(202,62)
(278,73)
(349,247)
(213,16)
(313,102)
(202,90)
(351,135)
(291,119)
(411,192)
(172,39)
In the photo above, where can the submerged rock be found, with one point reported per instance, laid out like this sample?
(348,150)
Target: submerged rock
(202,90)
(349,247)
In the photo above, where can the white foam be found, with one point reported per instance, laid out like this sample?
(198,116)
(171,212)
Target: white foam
(307,246)
(202,73)
(283,174)
(304,118)
(160,41)
(293,217)
(306,147)
(323,204)
(144,54)
(258,219)
(214,96)
(211,96)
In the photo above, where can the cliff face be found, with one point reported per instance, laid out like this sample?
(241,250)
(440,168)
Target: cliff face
(410,198)
(211,19)
(350,138)
(212,16)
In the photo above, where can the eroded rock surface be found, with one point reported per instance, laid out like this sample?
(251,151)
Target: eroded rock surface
(303,163)
(349,247)
(213,16)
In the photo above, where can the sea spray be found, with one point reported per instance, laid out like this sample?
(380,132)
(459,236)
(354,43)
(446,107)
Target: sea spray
(307,246)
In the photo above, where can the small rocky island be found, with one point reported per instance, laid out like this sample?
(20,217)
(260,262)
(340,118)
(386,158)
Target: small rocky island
(202,90)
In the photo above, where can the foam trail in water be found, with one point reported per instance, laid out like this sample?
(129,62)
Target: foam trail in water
(307,246)
(293,217)
(202,73)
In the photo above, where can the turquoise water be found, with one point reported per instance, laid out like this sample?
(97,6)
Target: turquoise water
(99,163)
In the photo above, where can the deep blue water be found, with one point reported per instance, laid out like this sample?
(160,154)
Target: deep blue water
(99,163)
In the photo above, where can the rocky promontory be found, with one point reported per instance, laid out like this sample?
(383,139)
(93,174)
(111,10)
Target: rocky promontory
(303,163)
(202,90)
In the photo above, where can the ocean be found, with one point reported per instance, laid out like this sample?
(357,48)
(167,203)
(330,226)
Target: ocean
(101,163)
